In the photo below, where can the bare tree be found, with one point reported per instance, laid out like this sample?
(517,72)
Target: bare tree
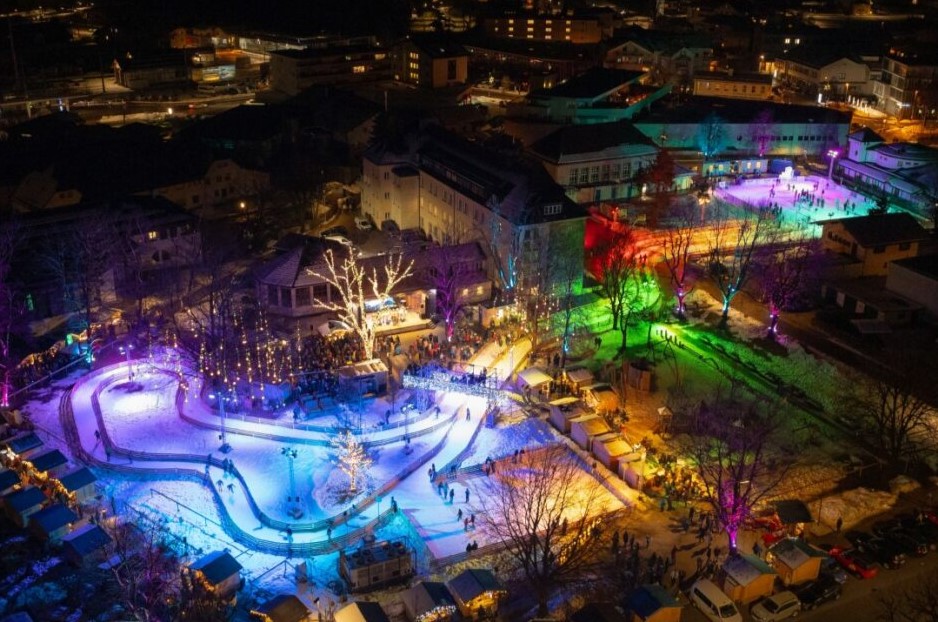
(729,448)
(12,312)
(675,252)
(916,603)
(660,177)
(548,513)
(449,277)
(732,251)
(784,269)
(893,403)
(619,269)
(145,570)
(352,284)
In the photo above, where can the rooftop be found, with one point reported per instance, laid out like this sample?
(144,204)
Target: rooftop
(878,229)
(361,611)
(52,518)
(696,109)
(87,539)
(284,608)
(21,443)
(649,598)
(8,478)
(48,460)
(583,139)
(217,566)
(744,569)
(79,478)
(24,499)
(926,265)
(471,583)
(594,83)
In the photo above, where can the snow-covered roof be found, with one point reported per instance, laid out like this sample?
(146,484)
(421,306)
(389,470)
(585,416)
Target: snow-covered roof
(592,425)
(361,611)
(793,552)
(744,569)
(284,608)
(613,443)
(217,566)
(579,375)
(533,377)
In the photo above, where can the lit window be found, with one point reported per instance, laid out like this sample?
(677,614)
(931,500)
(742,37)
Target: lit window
(358,69)
(152,235)
(787,40)
(530,21)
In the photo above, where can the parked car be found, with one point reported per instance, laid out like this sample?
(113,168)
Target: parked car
(923,528)
(362,223)
(711,601)
(909,542)
(335,231)
(854,562)
(830,568)
(883,551)
(815,593)
(776,607)
(333,328)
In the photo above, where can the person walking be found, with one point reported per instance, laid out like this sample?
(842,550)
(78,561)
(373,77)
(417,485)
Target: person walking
(459,514)
(467,495)
(467,414)
(452,495)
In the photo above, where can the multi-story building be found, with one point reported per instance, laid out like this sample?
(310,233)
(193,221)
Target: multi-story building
(596,162)
(667,57)
(757,86)
(909,82)
(531,65)
(871,242)
(831,75)
(292,71)
(573,28)
(457,191)
(431,63)
(717,137)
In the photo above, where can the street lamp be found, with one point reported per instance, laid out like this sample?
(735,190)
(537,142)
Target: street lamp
(125,350)
(222,397)
(832,154)
(291,455)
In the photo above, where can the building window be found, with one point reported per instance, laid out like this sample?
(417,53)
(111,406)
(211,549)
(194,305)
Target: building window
(571,179)
(319,291)
(152,235)
(302,297)
(272,295)
(285,298)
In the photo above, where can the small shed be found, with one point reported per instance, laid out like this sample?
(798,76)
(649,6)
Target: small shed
(608,448)
(219,573)
(601,397)
(85,544)
(21,504)
(48,463)
(282,608)
(793,515)
(653,603)
(361,611)
(477,592)
(78,485)
(795,560)
(429,601)
(8,479)
(587,428)
(564,410)
(52,523)
(22,445)
(366,378)
(599,612)
(746,578)
(533,378)
(578,378)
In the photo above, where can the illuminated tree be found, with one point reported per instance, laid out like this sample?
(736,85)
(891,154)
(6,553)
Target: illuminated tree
(352,459)
(784,271)
(548,513)
(623,278)
(732,248)
(729,447)
(449,277)
(145,570)
(675,253)
(351,282)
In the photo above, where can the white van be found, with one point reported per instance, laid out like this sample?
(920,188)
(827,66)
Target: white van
(713,603)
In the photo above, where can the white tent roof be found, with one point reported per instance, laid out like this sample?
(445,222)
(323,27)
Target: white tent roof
(533,377)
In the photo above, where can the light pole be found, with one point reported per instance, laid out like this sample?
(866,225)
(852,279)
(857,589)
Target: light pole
(832,154)
(291,455)
(222,397)
(125,350)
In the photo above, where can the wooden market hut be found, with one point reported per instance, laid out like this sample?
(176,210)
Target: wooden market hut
(19,505)
(533,379)
(746,578)
(601,397)
(477,592)
(282,608)
(21,446)
(52,523)
(85,544)
(587,428)
(795,560)
(564,410)
(653,603)
(9,479)
(47,464)
(218,572)
(578,378)
(361,611)
(429,601)
(608,448)
(78,485)
(632,468)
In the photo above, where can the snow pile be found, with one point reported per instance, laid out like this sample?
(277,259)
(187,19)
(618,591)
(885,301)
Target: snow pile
(903,484)
(854,506)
